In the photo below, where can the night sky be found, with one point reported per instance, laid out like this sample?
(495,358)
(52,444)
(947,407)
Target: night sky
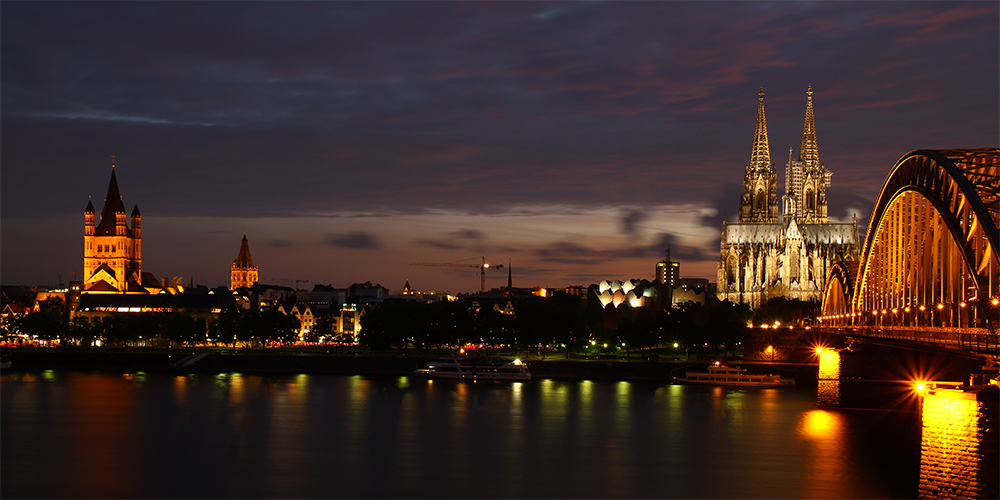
(573,140)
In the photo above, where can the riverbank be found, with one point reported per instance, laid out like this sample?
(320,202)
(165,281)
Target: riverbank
(346,363)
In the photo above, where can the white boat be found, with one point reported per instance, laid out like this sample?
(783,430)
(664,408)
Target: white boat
(722,374)
(475,369)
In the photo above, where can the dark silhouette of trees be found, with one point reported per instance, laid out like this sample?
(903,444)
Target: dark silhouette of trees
(51,321)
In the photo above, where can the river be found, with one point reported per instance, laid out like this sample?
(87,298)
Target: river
(66,434)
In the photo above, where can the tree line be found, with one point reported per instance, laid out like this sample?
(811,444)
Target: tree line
(561,322)
(233,326)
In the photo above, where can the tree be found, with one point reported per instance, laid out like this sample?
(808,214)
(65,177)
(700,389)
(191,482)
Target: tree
(51,321)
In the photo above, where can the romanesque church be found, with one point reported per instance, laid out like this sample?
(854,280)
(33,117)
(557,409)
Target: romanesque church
(112,251)
(766,254)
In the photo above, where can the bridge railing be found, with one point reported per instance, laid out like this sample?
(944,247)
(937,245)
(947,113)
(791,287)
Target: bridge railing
(972,339)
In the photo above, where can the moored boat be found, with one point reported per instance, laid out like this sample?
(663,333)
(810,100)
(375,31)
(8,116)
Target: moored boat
(719,373)
(481,368)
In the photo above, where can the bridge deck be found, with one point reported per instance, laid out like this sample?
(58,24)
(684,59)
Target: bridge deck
(973,340)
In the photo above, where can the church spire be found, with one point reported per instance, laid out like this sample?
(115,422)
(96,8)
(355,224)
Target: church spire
(113,205)
(808,150)
(760,155)
(510,283)
(244,271)
(243,260)
(759,203)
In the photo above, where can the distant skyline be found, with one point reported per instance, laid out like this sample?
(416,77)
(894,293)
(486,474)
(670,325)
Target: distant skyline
(348,139)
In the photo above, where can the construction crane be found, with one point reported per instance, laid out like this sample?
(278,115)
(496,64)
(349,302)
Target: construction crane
(290,280)
(483,266)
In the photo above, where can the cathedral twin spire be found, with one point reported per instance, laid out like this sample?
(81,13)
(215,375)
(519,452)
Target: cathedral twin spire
(805,177)
(808,150)
(760,155)
(760,197)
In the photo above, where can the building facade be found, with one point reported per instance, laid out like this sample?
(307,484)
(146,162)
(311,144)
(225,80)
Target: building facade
(765,255)
(243,272)
(112,251)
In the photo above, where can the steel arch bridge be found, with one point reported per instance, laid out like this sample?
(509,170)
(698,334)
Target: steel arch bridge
(930,267)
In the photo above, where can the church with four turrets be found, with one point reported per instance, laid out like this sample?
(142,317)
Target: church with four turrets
(767,254)
(112,251)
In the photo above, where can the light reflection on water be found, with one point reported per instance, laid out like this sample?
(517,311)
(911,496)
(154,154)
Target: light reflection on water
(239,435)
(955,439)
(824,430)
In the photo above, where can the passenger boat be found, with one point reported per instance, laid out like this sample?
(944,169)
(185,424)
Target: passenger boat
(481,368)
(722,374)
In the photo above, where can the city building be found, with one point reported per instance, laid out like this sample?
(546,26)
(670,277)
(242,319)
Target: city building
(668,273)
(244,270)
(305,316)
(426,296)
(322,297)
(693,290)
(112,252)
(367,294)
(764,255)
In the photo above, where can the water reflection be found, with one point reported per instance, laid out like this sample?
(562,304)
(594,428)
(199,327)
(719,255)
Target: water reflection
(824,430)
(240,435)
(953,459)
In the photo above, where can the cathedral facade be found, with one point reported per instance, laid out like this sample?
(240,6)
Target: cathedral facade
(783,248)
(112,251)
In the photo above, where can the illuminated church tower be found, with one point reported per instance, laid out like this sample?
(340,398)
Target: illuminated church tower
(806,177)
(762,257)
(112,253)
(760,181)
(244,271)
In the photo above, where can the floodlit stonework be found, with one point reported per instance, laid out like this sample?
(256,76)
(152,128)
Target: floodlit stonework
(112,252)
(764,256)
(244,271)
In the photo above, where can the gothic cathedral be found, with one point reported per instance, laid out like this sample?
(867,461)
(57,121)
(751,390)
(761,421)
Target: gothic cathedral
(112,252)
(765,255)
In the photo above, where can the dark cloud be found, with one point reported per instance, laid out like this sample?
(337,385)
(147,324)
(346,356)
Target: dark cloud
(447,242)
(355,240)
(687,253)
(678,252)
(567,252)
(443,245)
(267,109)
(468,234)
(630,219)
(726,202)
(471,105)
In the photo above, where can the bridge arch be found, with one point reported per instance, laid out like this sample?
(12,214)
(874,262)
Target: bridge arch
(930,256)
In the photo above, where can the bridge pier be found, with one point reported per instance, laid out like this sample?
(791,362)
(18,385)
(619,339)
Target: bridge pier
(958,444)
(865,374)
(959,419)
